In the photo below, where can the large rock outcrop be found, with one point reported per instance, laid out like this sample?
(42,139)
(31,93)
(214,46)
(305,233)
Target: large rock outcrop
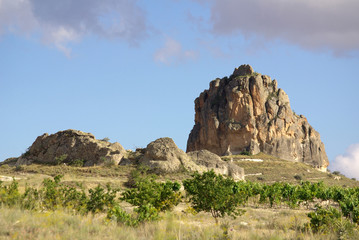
(70,145)
(248,112)
(163,156)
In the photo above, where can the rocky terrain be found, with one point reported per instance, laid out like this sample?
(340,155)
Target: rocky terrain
(244,113)
(247,112)
(73,147)
(69,146)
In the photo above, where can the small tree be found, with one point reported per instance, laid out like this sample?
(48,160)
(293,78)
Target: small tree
(214,193)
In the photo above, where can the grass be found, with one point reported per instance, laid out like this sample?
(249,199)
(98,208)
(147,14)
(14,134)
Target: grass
(257,223)
(273,169)
(254,224)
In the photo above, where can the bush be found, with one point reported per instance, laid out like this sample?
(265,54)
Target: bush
(149,197)
(61,159)
(213,193)
(245,153)
(162,196)
(331,220)
(297,177)
(99,199)
(10,195)
(77,163)
(322,220)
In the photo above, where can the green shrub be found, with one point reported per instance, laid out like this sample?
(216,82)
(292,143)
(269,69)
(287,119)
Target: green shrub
(214,193)
(61,159)
(322,219)
(10,195)
(331,220)
(77,163)
(162,196)
(99,199)
(245,153)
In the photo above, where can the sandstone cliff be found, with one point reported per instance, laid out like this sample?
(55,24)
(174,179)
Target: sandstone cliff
(69,146)
(248,112)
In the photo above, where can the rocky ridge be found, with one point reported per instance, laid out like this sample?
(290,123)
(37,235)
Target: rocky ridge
(69,146)
(161,156)
(248,112)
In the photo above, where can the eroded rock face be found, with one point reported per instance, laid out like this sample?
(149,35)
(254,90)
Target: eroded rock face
(247,112)
(70,145)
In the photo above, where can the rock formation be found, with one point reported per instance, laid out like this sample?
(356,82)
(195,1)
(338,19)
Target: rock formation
(70,145)
(163,156)
(248,112)
(211,161)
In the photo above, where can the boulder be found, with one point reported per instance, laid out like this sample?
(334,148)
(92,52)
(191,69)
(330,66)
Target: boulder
(210,161)
(163,155)
(247,112)
(69,146)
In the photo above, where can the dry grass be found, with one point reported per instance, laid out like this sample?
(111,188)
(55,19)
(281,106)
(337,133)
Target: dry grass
(273,169)
(254,224)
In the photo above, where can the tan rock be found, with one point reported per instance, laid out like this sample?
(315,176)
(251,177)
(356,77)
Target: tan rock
(210,161)
(247,112)
(70,145)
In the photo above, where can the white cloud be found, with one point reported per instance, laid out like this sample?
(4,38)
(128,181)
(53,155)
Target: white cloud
(319,24)
(172,52)
(66,21)
(348,164)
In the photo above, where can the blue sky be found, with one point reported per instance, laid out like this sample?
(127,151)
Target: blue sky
(130,70)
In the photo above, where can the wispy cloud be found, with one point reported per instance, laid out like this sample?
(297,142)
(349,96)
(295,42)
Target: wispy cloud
(62,22)
(348,164)
(316,25)
(172,52)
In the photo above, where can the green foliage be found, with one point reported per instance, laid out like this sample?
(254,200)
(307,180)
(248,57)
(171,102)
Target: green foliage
(77,163)
(213,193)
(162,196)
(99,199)
(321,220)
(149,197)
(245,153)
(331,220)
(61,159)
(9,195)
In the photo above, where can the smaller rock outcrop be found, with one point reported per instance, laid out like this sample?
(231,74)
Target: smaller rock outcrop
(69,146)
(211,161)
(163,156)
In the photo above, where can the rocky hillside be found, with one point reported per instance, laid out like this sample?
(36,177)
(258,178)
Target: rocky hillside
(248,112)
(77,148)
(70,146)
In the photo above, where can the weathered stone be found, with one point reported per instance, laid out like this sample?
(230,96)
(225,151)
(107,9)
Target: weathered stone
(243,70)
(247,112)
(211,161)
(71,145)
(163,155)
